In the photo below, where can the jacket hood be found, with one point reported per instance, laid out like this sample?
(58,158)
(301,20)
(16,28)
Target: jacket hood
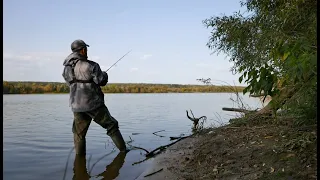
(73,58)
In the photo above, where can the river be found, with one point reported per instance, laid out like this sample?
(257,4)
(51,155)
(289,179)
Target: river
(38,137)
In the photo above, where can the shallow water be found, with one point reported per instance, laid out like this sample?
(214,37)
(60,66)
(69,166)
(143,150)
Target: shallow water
(38,137)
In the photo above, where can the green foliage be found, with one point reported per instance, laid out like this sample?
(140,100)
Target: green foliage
(304,106)
(53,87)
(273,46)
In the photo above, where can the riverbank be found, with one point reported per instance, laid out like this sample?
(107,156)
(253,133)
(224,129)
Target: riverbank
(272,151)
(56,87)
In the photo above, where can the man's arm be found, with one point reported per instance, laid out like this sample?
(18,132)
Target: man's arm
(99,77)
(65,75)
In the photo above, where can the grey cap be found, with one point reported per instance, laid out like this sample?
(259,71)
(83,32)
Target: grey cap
(78,45)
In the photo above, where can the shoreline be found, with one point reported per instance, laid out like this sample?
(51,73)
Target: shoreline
(126,93)
(229,152)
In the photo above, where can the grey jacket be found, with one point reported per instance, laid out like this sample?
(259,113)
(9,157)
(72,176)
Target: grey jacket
(86,95)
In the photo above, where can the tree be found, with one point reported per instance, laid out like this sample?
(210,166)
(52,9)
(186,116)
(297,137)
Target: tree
(273,47)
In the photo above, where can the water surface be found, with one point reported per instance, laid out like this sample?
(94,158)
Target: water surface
(38,131)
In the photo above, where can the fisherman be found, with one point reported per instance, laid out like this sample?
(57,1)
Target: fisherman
(84,77)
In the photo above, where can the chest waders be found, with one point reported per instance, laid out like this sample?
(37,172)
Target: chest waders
(104,121)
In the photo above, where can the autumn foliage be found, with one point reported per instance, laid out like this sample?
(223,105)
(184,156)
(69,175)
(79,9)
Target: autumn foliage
(56,87)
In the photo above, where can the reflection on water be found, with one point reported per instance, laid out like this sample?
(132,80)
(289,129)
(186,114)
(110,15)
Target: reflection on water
(37,132)
(111,172)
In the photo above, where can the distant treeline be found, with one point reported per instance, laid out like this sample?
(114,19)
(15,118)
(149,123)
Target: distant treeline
(57,87)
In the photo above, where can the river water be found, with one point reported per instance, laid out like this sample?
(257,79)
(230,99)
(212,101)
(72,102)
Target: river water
(38,137)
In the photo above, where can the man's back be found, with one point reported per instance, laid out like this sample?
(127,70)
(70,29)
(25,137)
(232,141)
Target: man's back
(84,82)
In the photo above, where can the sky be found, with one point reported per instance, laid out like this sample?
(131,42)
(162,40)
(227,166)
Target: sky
(167,38)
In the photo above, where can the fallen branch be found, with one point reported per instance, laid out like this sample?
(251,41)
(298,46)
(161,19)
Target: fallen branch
(157,134)
(161,148)
(136,147)
(195,120)
(153,173)
(238,110)
(140,161)
(257,95)
(174,138)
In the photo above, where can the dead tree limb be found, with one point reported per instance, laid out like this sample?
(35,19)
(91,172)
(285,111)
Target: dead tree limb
(136,147)
(158,134)
(257,95)
(195,120)
(135,163)
(238,110)
(153,173)
(174,138)
(161,148)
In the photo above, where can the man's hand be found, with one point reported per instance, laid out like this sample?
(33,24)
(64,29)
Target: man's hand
(106,75)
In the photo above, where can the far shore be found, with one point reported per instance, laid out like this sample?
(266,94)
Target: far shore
(62,88)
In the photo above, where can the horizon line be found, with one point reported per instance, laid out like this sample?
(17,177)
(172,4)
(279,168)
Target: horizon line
(128,83)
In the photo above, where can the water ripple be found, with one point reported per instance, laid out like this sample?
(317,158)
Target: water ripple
(38,129)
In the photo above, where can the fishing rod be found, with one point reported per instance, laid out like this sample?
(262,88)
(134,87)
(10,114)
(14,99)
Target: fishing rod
(118,60)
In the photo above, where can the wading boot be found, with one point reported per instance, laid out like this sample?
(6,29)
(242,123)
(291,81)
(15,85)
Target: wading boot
(80,146)
(118,141)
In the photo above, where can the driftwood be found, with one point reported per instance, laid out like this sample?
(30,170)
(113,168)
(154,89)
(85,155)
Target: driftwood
(155,133)
(161,148)
(174,138)
(153,173)
(195,120)
(158,150)
(257,95)
(238,110)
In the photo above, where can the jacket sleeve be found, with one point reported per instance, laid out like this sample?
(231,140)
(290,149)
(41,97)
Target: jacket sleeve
(66,75)
(99,77)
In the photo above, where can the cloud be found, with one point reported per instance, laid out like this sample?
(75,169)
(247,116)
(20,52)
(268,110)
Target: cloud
(133,69)
(146,56)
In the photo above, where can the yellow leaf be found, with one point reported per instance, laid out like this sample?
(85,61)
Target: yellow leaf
(285,56)
(290,155)
(272,170)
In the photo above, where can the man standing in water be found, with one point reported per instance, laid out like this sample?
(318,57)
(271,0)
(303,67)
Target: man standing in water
(84,77)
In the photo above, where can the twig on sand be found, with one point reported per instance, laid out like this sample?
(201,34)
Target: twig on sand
(140,161)
(174,138)
(136,147)
(153,173)
(158,134)
(161,148)
(66,168)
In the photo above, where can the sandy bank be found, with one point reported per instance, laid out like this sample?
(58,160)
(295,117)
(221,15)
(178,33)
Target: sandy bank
(259,152)
(173,157)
